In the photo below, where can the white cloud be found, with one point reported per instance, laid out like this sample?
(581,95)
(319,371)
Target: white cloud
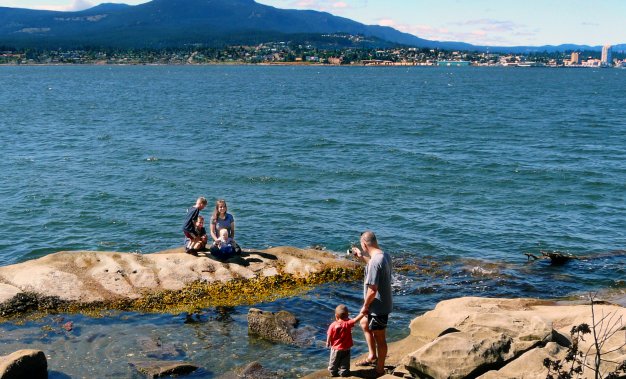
(477,32)
(80,5)
(331,6)
(387,22)
(76,5)
(312,4)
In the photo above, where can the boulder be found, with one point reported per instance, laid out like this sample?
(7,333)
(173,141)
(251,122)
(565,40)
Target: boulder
(483,341)
(276,327)
(529,365)
(158,369)
(31,364)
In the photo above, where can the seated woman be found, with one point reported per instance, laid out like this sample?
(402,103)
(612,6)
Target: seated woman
(221,219)
(224,247)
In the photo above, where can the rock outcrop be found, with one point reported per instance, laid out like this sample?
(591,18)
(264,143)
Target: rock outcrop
(495,338)
(159,369)
(478,343)
(253,370)
(276,327)
(165,281)
(30,364)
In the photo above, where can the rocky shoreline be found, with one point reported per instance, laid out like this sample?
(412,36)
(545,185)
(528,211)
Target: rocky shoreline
(489,338)
(460,338)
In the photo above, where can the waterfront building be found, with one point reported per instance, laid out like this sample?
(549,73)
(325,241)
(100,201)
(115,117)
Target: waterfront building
(607,59)
(453,63)
(592,63)
(376,62)
(575,59)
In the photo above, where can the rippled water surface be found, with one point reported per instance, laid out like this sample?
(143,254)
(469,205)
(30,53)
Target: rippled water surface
(459,171)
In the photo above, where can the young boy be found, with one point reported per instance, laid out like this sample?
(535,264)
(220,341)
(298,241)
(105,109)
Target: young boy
(193,245)
(340,341)
(189,227)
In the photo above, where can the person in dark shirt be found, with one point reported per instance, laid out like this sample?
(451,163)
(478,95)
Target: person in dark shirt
(378,299)
(193,246)
(189,227)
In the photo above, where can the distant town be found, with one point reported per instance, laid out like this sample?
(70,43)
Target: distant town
(289,53)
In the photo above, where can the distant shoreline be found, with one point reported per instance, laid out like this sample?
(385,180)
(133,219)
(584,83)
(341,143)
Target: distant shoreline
(302,64)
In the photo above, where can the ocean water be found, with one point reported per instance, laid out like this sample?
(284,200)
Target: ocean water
(459,171)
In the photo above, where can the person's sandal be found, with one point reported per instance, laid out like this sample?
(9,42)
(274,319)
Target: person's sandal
(366,363)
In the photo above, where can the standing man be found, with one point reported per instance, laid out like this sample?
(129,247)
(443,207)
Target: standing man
(377,302)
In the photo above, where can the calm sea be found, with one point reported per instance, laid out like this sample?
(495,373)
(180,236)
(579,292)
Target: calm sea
(460,171)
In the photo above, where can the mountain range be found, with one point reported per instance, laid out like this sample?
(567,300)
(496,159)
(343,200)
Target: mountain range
(211,23)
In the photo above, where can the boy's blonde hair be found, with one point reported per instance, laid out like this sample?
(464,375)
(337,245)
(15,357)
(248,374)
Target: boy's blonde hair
(342,311)
(201,200)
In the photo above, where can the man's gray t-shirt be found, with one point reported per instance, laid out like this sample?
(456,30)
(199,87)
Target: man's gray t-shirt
(378,272)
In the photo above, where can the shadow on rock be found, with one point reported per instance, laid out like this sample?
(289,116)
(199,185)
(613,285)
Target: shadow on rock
(260,254)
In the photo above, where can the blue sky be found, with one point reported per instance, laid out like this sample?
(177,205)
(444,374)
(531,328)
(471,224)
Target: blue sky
(482,22)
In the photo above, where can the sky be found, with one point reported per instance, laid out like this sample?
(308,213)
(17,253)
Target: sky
(479,22)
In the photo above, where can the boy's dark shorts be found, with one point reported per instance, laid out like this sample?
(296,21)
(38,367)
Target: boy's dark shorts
(377,322)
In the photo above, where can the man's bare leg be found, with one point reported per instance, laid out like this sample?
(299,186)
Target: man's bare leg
(380,340)
(370,339)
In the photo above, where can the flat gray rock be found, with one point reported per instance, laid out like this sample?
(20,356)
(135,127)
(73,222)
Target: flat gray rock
(158,369)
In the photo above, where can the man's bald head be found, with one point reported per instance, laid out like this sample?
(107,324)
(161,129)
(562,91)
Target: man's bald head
(369,238)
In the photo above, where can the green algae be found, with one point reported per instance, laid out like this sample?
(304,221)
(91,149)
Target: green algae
(193,297)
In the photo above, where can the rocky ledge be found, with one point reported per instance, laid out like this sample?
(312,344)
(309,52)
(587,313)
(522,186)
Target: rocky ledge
(498,339)
(168,281)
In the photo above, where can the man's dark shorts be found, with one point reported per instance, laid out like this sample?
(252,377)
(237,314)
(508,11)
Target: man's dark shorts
(377,322)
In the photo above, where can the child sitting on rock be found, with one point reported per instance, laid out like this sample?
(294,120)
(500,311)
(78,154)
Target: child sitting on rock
(339,339)
(198,241)
(224,247)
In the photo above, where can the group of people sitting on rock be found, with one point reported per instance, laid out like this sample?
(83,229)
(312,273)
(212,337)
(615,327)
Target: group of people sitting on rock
(222,228)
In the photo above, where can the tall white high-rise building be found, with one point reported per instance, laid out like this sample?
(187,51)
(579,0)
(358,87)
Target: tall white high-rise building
(607,59)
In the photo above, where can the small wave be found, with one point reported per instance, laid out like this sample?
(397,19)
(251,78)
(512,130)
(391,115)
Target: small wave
(481,271)
(25,160)
(152,159)
(264,179)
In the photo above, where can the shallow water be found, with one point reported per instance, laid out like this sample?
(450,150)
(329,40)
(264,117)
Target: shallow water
(459,171)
